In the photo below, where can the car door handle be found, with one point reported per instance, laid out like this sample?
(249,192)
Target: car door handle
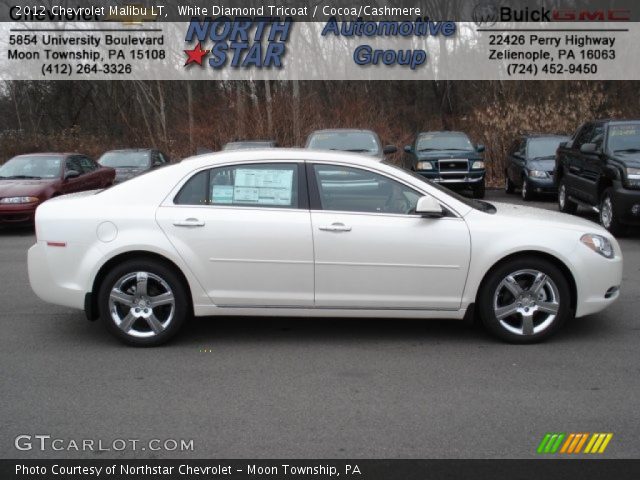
(335,227)
(189,222)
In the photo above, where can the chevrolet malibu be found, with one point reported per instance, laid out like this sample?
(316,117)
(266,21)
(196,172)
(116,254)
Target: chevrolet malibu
(322,234)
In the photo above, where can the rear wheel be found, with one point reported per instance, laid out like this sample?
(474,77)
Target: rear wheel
(524,300)
(143,302)
(565,205)
(608,214)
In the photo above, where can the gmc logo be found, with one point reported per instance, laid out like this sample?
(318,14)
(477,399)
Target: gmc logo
(572,15)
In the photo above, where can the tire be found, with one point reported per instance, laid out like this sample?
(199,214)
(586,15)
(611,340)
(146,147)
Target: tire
(565,205)
(512,313)
(607,214)
(479,190)
(527,193)
(509,187)
(132,318)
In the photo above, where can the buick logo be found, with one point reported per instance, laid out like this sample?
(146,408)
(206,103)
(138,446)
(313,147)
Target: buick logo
(452,165)
(485,14)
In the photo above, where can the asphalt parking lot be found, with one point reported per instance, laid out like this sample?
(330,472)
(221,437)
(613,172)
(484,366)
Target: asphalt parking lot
(304,388)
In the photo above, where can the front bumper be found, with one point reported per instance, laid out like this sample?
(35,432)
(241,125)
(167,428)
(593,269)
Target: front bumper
(468,179)
(17,214)
(53,290)
(599,281)
(542,185)
(625,203)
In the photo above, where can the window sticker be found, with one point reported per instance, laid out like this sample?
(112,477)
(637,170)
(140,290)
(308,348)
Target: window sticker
(263,186)
(222,194)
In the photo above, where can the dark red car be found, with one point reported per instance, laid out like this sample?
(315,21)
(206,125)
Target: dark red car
(28,180)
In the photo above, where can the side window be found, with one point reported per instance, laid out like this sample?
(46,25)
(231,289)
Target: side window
(87,164)
(73,163)
(584,136)
(156,159)
(163,158)
(521,149)
(597,135)
(354,190)
(255,185)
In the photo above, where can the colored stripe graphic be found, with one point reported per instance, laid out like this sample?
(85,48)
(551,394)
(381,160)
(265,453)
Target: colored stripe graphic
(573,443)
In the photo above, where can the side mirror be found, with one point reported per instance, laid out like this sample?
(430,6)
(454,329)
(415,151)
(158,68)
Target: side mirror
(71,174)
(429,207)
(565,144)
(407,148)
(480,148)
(589,148)
(389,149)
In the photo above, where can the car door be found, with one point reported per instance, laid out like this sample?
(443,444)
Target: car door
(93,178)
(593,164)
(245,232)
(371,252)
(517,162)
(73,184)
(577,182)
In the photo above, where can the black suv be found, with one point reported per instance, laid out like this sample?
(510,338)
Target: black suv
(600,168)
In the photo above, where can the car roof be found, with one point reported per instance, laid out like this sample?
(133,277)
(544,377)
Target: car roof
(615,121)
(48,154)
(130,150)
(448,132)
(260,154)
(343,130)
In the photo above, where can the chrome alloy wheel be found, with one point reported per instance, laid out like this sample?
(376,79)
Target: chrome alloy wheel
(562,194)
(606,212)
(526,302)
(142,304)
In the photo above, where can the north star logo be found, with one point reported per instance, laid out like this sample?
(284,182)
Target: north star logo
(243,42)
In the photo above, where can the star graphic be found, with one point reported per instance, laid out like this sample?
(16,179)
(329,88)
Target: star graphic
(195,55)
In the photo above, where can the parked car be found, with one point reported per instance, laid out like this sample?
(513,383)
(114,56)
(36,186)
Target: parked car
(267,233)
(364,142)
(448,158)
(249,144)
(600,169)
(531,163)
(28,180)
(131,162)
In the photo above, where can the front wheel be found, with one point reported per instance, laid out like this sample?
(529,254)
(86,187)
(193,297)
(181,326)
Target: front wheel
(524,300)
(608,217)
(565,205)
(527,193)
(479,190)
(143,302)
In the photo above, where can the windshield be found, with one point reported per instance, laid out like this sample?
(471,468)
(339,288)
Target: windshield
(125,159)
(476,204)
(246,145)
(624,138)
(544,147)
(443,141)
(345,141)
(32,166)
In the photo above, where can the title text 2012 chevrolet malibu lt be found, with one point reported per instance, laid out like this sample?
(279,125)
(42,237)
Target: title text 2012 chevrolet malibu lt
(302,233)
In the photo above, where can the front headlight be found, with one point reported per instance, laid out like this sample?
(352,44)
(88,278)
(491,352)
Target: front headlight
(15,200)
(477,164)
(633,173)
(537,174)
(424,166)
(598,244)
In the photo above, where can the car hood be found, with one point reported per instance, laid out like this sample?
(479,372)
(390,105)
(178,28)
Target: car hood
(546,165)
(507,212)
(23,188)
(629,159)
(444,154)
(125,173)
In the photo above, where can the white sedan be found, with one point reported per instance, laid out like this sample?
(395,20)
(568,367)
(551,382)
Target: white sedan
(304,233)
